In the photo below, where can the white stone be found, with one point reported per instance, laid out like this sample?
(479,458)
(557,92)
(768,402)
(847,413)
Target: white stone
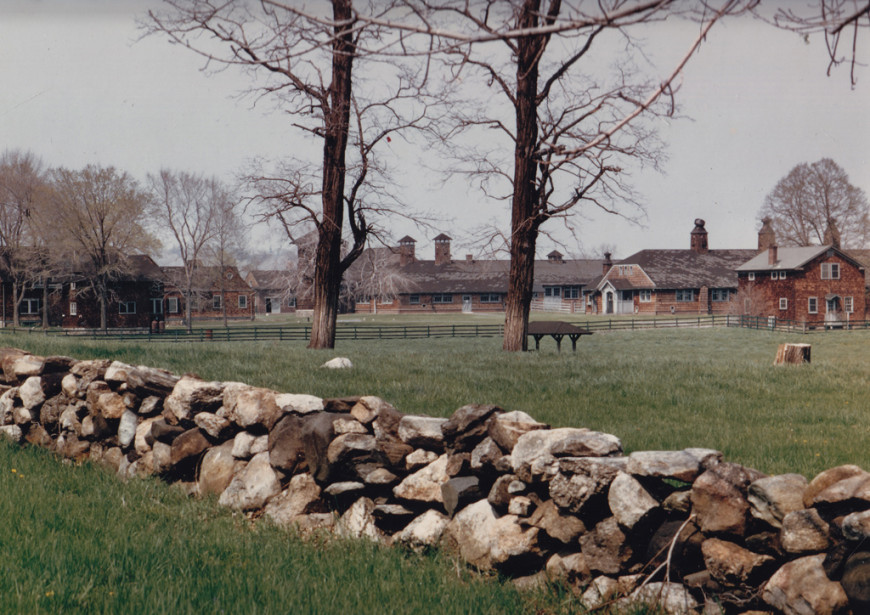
(13,432)
(338,363)
(425,484)
(260,444)
(143,431)
(298,403)
(424,531)
(629,501)
(31,392)
(127,428)
(358,522)
(242,444)
(252,487)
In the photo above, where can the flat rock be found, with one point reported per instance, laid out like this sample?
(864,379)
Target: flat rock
(31,392)
(486,456)
(804,531)
(534,457)
(419,458)
(801,587)
(629,502)
(343,426)
(856,526)
(189,444)
(506,428)
(298,403)
(422,432)
(460,491)
(772,498)
(678,465)
(825,479)
(212,424)
(424,485)
(730,564)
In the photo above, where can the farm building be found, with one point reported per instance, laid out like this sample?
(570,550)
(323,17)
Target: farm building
(693,281)
(273,291)
(215,290)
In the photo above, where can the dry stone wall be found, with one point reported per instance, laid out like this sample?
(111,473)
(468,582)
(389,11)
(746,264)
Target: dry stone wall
(685,529)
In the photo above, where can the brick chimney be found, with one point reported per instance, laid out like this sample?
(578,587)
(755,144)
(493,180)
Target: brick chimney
(832,233)
(766,236)
(699,237)
(442,249)
(772,255)
(605,267)
(407,247)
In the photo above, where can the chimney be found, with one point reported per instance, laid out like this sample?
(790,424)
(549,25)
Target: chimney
(766,236)
(832,234)
(772,255)
(407,246)
(607,263)
(699,237)
(469,258)
(555,257)
(442,249)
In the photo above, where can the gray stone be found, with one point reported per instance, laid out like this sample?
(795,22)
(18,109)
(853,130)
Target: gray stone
(422,432)
(253,486)
(606,548)
(379,476)
(358,522)
(316,435)
(110,405)
(31,392)
(678,465)
(804,531)
(212,424)
(505,429)
(425,531)
(27,366)
(731,564)
(424,485)
(151,405)
(500,493)
(801,587)
(217,469)
(485,455)
(569,568)
(601,590)
(301,497)
(162,457)
(298,403)
(772,498)
(343,488)
(534,457)
(460,491)
(70,386)
(669,598)
(242,447)
(349,447)
(854,488)
(191,396)
(127,428)
(368,408)
(629,502)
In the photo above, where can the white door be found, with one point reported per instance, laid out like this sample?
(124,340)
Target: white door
(466,303)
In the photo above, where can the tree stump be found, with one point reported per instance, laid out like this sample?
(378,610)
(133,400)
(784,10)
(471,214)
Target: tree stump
(792,354)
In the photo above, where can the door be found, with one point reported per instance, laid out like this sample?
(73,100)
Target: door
(466,303)
(268,305)
(609,307)
(833,312)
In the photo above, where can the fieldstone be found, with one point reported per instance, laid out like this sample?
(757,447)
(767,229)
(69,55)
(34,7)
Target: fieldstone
(580,481)
(298,403)
(69,445)
(12,432)
(127,428)
(242,443)
(191,396)
(801,587)
(419,458)
(117,372)
(248,406)
(368,408)
(629,502)
(70,386)
(380,477)
(844,491)
(424,531)
(506,428)
(386,425)
(162,431)
(31,392)
(467,427)
(772,498)
(606,548)
(569,568)
(69,421)
(142,440)
(217,469)
(459,492)
(27,366)
(549,519)
(338,363)
(89,371)
(190,444)
(534,455)
(301,497)
(38,436)
(500,493)
(358,522)
(731,564)
(485,455)
(678,465)
(286,447)
(110,405)
(343,426)
(487,542)
(391,515)
(718,501)
(602,589)
(343,488)
(856,581)
(678,502)
(260,444)
(253,486)
(856,526)
(151,381)
(424,485)
(827,478)
(669,598)
(520,505)
(349,449)
(150,405)
(422,432)
(212,424)
(316,435)
(162,457)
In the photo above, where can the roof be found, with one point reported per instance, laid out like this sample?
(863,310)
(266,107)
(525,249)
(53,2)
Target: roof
(206,278)
(269,279)
(673,269)
(792,258)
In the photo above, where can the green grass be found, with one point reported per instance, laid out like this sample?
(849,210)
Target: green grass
(661,389)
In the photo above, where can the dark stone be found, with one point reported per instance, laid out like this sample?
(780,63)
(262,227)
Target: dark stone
(856,581)
(147,381)
(56,363)
(395,452)
(38,436)
(340,404)
(467,427)
(686,556)
(49,413)
(317,433)
(499,496)
(190,444)
(286,446)
(458,464)
(161,431)
(459,492)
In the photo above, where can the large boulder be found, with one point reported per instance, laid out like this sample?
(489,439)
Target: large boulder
(286,446)
(534,457)
(217,469)
(424,485)
(192,395)
(801,587)
(719,500)
(467,427)
(253,486)
(248,406)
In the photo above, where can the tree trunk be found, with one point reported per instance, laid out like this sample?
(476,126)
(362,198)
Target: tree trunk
(327,272)
(524,222)
(16,304)
(45,304)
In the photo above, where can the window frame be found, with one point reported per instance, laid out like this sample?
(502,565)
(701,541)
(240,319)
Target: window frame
(644,296)
(217,302)
(173,305)
(783,303)
(243,302)
(73,308)
(414,299)
(684,295)
(751,276)
(126,307)
(442,298)
(720,295)
(830,269)
(28,301)
(812,305)
(490,298)
(849,305)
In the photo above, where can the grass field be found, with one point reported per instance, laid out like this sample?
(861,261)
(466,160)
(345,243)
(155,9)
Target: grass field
(78,540)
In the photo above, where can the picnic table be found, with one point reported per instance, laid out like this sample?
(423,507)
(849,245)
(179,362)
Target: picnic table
(556,329)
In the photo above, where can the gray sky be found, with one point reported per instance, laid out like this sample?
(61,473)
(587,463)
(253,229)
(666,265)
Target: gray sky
(77,88)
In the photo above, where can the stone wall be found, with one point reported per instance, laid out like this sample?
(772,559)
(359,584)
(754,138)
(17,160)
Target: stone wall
(507,493)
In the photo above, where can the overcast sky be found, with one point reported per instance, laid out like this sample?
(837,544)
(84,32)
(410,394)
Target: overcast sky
(77,87)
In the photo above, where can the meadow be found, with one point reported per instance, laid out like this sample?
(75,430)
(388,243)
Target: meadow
(79,540)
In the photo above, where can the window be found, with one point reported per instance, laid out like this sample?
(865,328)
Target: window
(73,308)
(172,305)
(291,302)
(156,305)
(686,295)
(830,271)
(751,276)
(720,294)
(625,270)
(782,275)
(571,292)
(490,298)
(243,302)
(848,305)
(813,305)
(72,285)
(442,298)
(783,303)
(645,296)
(774,275)
(217,302)
(31,306)
(364,300)
(552,291)
(414,299)
(126,307)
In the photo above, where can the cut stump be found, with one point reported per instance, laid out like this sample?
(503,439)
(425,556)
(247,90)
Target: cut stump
(792,354)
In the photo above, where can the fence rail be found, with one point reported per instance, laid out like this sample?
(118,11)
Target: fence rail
(291,333)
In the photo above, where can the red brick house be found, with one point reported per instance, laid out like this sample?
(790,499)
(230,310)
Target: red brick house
(214,288)
(273,290)
(812,284)
(694,281)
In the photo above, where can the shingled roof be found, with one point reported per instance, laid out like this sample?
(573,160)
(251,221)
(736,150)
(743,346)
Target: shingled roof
(789,258)
(675,269)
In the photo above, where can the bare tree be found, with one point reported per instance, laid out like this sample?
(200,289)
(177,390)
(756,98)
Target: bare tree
(306,62)
(572,129)
(184,203)
(22,180)
(376,275)
(803,203)
(230,237)
(841,22)
(96,217)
